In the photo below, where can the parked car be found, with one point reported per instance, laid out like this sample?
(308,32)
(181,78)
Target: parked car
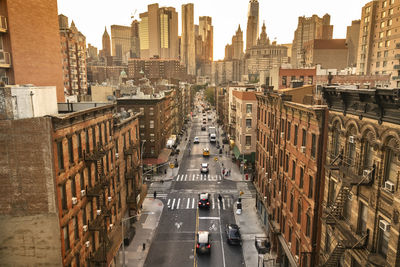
(233,236)
(204,168)
(196,140)
(204,201)
(203,245)
(203,127)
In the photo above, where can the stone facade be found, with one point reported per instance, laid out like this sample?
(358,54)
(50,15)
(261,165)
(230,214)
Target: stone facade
(360,225)
(289,175)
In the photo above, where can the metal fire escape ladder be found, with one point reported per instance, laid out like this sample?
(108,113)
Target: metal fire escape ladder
(335,211)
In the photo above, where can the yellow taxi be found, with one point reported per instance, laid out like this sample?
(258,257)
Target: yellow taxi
(206,152)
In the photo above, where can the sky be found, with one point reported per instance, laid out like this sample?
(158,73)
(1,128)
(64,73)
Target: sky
(281,17)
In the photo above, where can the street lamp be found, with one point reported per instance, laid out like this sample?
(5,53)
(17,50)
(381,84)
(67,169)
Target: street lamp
(122,233)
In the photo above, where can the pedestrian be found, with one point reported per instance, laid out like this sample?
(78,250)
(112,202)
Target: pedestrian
(223,171)
(229,172)
(165,171)
(155,194)
(219,198)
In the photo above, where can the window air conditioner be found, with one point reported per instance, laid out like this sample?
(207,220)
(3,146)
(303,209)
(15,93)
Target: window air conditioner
(83,193)
(296,258)
(384,225)
(282,135)
(303,149)
(110,138)
(98,212)
(87,244)
(111,226)
(289,244)
(74,201)
(389,186)
(109,199)
(351,139)
(116,155)
(85,228)
(366,173)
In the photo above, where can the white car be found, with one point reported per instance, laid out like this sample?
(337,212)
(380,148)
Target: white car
(204,168)
(196,140)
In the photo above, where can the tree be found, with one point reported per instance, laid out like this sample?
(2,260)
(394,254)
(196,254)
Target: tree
(209,94)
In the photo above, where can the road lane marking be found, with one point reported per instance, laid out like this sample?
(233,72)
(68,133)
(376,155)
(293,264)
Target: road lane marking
(195,238)
(213,203)
(188,203)
(177,205)
(223,204)
(209,218)
(192,170)
(193,204)
(173,204)
(222,242)
(169,200)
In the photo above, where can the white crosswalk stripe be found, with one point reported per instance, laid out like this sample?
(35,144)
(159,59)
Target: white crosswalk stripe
(191,203)
(198,177)
(159,195)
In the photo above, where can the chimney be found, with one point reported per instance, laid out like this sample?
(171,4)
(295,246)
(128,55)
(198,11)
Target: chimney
(330,77)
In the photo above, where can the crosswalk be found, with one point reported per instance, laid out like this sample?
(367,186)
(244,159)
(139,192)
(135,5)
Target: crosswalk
(197,177)
(185,203)
(159,195)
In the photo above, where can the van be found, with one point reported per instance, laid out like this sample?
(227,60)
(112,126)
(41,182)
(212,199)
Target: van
(213,138)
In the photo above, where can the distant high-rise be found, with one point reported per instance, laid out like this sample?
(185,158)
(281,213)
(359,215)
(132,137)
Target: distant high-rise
(158,31)
(206,32)
(121,41)
(235,50)
(135,41)
(188,56)
(252,24)
(307,30)
(106,44)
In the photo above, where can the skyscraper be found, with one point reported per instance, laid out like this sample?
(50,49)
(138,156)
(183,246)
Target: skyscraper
(121,41)
(206,32)
(135,41)
(158,30)
(106,41)
(309,29)
(235,50)
(252,24)
(188,56)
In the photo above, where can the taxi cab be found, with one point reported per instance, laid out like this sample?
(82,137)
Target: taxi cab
(206,152)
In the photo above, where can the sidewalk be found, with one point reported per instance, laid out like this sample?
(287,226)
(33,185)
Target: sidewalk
(145,231)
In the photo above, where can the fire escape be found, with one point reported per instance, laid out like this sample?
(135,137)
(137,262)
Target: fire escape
(99,257)
(347,237)
(132,150)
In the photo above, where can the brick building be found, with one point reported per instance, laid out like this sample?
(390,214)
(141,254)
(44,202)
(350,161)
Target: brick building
(330,54)
(68,180)
(21,63)
(360,223)
(155,124)
(73,46)
(289,175)
(281,78)
(156,68)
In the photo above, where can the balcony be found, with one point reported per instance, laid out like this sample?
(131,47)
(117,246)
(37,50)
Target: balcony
(94,191)
(108,247)
(3,24)
(396,67)
(98,153)
(97,224)
(351,175)
(5,60)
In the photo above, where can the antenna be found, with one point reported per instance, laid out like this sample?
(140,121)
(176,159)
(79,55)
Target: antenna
(133,15)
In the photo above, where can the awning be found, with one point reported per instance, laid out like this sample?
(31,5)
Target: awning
(164,155)
(250,157)
(236,151)
(287,250)
(162,158)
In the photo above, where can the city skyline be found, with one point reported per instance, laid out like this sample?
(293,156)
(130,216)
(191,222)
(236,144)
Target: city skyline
(278,26)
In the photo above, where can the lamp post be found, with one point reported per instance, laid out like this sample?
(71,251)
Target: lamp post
(122,234)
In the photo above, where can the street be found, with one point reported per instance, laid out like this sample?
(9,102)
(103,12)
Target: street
(174,243)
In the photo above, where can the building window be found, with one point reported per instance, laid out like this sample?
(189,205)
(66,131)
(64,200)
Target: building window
(248,123)
(81,180)
(73,186)
(119,200)
(77,261)
(389,23)
(291,202)
(383,241)
(378,54)
(284,80)
(79,145)
(304,138)
(292,78)
(362,218)
(151,124)
(384,63)
(283,224)
(310,186)
(248,140)
(290,234)
(301,180)
(310,79)
(385,53)
(100,135)
(313,145)
(286,163)
(60,155)
(289,126)
(63,191)
(284,193)
(299,212)
(308,225)
(368,155)
(249,108)
(293,169)
(327,241)
(390,166)
(335,142)
(94,136)
(297,247)
(296,130)
(66,237)
(76,228)
(105,133)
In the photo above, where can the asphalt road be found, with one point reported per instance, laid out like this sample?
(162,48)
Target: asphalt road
(174,242)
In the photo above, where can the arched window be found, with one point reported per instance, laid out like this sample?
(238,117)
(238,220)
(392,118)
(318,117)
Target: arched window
(368,155)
